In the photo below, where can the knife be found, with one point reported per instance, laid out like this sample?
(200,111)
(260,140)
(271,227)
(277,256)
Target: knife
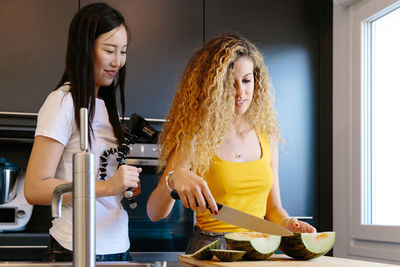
(239,218)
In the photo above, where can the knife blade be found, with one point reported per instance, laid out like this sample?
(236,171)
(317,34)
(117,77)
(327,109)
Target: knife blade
(244,220)
(247,221)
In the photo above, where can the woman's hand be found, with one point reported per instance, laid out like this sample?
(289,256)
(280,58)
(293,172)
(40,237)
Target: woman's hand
(125,177)
(296,226)
(193,190)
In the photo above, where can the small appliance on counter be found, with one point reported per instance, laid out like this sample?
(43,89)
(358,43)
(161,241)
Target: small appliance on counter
(15,211)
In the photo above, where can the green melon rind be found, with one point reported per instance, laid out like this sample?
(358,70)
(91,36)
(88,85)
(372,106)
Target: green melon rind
(204,253)
(228,255)
(250,246)
(295,246)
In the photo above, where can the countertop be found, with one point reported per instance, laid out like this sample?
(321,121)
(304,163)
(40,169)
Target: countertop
(102,264)
(280,260)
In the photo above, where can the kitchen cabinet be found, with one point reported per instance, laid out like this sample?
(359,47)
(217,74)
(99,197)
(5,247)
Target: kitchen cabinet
(33,42)
(287,33)
(164,34)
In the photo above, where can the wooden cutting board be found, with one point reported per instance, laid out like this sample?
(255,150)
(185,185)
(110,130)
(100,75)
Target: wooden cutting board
(280,260)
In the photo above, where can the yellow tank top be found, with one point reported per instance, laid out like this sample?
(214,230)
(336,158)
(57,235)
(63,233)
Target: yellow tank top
(243,186)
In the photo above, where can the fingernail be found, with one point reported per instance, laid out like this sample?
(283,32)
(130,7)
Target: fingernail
(216,212)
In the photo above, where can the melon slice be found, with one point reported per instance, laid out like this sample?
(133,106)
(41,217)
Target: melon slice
(227,254)
(204,253)
(307,246)
(257,246)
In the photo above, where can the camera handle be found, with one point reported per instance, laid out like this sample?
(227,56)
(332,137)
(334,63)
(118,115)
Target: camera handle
(122,151)
(135,127)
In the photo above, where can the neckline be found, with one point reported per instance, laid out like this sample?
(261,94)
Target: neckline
(253,161)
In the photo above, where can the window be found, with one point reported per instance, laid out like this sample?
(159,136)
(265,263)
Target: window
(366,125)
(381,126)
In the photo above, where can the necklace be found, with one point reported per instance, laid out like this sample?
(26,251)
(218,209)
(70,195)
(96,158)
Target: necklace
(237,154)
(238,142)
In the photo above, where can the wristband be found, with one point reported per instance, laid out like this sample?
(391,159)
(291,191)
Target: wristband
(287,218)
(166,180)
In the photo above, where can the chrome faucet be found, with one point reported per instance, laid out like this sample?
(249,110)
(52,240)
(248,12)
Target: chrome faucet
(84,195)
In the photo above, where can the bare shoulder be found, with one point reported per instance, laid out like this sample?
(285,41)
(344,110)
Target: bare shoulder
(273,141)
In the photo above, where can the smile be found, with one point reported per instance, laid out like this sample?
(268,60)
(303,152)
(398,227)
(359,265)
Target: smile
(240,102)
(111,73)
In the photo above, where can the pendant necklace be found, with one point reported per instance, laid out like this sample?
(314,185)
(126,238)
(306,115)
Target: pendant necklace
(238,155)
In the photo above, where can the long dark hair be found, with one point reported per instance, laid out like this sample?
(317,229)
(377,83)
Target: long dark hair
(90,22)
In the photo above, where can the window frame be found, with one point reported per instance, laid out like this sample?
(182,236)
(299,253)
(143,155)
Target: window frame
(356,240)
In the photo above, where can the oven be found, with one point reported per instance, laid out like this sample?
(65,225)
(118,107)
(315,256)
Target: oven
(170,234)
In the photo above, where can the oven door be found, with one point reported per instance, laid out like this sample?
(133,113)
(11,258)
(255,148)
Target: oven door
(169,234)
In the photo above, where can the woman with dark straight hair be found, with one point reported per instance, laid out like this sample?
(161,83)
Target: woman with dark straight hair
(95,68)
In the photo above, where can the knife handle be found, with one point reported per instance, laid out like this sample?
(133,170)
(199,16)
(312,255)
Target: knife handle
(175,196)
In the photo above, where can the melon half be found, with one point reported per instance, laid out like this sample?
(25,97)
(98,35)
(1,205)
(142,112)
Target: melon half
(307,246)
(228,255)
(257,246)
(205,253)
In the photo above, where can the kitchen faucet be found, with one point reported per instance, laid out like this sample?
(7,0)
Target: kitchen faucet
(84,195)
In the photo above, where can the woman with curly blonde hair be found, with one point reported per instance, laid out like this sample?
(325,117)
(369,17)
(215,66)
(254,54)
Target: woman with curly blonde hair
(219,143)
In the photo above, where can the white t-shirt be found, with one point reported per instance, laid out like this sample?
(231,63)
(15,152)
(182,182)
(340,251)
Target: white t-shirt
(56,120)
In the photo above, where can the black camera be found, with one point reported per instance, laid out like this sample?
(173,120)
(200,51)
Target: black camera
(138,128)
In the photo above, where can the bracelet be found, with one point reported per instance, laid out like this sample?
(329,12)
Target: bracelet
(166,180)
(284,220)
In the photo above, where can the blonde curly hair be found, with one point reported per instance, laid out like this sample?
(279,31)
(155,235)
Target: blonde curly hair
(203,108)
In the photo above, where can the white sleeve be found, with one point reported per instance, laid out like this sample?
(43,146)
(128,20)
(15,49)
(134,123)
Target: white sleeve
(56,117)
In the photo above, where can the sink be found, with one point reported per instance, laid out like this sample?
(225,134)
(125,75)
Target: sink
(100,264)
(69,264)
(140,259)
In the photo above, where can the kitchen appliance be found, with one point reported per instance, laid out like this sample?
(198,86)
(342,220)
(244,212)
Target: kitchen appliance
(244,220)
(15,211)
(168,235)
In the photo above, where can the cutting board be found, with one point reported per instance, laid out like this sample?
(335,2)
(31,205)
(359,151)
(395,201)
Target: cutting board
(280,260)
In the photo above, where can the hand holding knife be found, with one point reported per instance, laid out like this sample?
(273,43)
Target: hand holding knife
(244,220)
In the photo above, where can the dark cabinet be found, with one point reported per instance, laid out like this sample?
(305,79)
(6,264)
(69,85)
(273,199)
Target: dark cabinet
(163,35)
(33,42)
(287,33)
(34,38)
